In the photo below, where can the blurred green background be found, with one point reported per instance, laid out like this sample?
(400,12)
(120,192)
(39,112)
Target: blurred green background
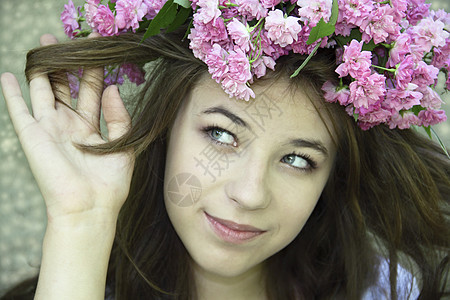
(22,212)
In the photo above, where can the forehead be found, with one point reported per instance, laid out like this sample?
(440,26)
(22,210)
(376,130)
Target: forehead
(277,109)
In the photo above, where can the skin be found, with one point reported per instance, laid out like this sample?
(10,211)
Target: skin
(84,192)
(263,184)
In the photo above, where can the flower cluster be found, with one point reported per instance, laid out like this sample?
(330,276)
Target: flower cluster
(393,82)
(101,19)
(389,53)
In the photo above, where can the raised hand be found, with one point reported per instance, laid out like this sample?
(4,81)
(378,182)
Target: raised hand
(75,184)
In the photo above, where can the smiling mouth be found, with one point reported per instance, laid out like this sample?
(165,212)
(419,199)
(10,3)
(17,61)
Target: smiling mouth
(232,232)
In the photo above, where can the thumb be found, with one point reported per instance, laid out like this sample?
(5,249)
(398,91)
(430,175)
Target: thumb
(117,118)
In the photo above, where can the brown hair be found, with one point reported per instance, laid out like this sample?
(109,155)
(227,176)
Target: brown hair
(389,189)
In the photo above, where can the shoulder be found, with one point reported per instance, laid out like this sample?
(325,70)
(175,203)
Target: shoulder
(407,287)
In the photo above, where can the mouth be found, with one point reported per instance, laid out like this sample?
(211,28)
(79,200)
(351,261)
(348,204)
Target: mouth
(232,232)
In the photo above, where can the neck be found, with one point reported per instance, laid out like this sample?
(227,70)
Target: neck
(247,286)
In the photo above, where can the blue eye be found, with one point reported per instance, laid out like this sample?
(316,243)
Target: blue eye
(222,136)
(302,162)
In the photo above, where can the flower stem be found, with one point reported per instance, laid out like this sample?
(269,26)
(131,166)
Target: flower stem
(382,68)
(306,60)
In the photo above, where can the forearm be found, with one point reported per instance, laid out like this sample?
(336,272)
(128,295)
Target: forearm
(75,261)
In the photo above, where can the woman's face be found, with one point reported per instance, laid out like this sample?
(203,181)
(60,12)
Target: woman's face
(242,178)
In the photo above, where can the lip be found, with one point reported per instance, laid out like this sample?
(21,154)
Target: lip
(232,232)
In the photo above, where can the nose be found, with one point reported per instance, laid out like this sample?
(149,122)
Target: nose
(249,185)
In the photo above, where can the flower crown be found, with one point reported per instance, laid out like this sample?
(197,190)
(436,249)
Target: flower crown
(388,53)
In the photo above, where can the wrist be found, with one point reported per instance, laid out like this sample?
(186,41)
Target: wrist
(93,220)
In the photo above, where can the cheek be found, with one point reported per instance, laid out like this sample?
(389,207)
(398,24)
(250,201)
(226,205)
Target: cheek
(183,179)
(293,209)
(293,220)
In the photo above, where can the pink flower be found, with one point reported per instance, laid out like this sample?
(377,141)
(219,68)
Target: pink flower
(429,33)
(239,33)
(238,90)
(424,74)
(403,99)
(232,70)
(356,62)
(355,11)
(404,71)
(431,117)
(130,13)
(270,3)
(403,121)
(372,118)
(282,31)
(153,6)
(332,93)
(259,66)
(416,11)
(74,82)
(112,76)
(343,28)
(399,49)
(380,26)
(104,21)
(442,16)
(199,46)
(301,46)
(400,7)
(217,62)
(214,31)
(69,18)
(314,10)
(269,48)
(367,91)
(251,9)
(430,99)
(134,73)
(90,10)
(441,56)
(239,66)
(209,11)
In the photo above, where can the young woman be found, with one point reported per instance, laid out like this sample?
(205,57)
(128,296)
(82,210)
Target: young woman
(206,197)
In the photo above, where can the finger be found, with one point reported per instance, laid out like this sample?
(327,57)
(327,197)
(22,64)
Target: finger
(91,87)
(90,92)
(48,39)
(62,91)
(117,119)
(42,97)
(17,109)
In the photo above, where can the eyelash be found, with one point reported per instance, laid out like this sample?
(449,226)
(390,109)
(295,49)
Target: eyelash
(311,163)
(209,129)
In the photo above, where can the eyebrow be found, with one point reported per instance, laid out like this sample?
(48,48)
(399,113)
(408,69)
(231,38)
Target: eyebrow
(313,144)
(222,110)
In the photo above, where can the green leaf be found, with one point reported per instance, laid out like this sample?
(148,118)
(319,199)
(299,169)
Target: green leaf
(290,8)
(163,19)
(183,3)
(428,131)
(181,17)
(112,6)
(369,46)
(439,140)
(416,109)
(355,34)
(323,29)
(334,12)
